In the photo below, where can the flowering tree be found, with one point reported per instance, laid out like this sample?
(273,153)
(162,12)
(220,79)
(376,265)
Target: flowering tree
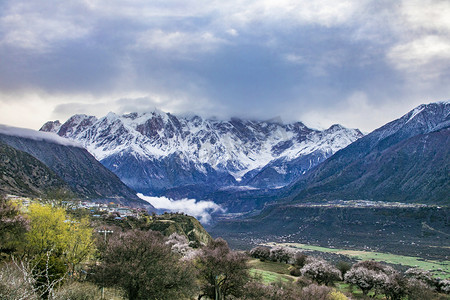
(371,275)
(320,271)
(393,285)
(280,254)
(444,286)
(424,276)
(263,253)
(180,245)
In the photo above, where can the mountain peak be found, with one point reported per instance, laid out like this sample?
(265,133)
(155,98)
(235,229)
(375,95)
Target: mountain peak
(51,126)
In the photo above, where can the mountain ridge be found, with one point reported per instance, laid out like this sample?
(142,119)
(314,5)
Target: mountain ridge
(385,165)
(173,153)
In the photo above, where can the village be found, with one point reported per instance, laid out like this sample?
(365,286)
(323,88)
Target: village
(96,209)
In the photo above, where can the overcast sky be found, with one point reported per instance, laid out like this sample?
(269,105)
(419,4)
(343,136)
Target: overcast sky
(359,63)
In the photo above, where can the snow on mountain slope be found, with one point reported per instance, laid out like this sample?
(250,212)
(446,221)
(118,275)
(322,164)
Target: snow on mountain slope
(157,151)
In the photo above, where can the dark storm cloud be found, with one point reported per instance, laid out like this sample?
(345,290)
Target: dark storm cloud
(360,63)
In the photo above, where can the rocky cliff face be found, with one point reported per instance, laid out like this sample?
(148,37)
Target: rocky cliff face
(157,152)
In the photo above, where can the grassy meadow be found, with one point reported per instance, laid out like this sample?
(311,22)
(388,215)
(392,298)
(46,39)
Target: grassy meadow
(438,268)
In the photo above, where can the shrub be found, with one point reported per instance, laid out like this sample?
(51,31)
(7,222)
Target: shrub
(370,265)
(344,267)
(425,276)
(315,292)
(393,286)
(77,291)
(418,290)
(336,295)
(303,281)
(294,271)
(300,259)
(257,291)
(13,226)
(444,286)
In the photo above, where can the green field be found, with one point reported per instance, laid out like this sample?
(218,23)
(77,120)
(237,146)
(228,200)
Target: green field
(270,271)
(438,268)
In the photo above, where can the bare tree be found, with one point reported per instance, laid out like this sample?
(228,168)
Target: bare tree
(25,280)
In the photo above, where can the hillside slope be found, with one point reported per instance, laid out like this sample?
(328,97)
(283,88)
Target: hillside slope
(24,175)
(76,167)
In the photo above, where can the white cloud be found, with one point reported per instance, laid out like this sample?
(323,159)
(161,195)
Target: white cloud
(422,47)
(211,56)
(427,15)
(37,26)
(37,135)
(428,55)
(322,12)
(199,209)
(287,12)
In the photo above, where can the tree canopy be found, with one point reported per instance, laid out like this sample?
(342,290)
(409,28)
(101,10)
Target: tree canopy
(144,266)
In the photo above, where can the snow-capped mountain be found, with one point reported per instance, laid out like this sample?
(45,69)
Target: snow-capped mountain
(157,151)
(406,160)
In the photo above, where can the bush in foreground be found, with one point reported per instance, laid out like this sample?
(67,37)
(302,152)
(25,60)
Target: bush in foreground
(77,291)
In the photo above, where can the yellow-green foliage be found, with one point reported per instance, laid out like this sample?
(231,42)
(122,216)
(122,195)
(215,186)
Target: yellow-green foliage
(51,230)
(48,230)
(336,295)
